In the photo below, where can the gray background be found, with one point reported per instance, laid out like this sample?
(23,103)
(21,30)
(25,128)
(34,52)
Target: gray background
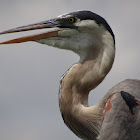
(30,72)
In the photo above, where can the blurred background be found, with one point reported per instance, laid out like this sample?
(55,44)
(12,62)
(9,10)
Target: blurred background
(30,72)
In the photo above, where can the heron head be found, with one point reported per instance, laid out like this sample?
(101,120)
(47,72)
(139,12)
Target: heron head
(77,31)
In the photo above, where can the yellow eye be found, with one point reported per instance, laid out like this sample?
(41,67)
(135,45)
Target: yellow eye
(71,19)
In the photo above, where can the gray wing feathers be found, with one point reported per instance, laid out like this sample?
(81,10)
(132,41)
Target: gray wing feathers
(119,122)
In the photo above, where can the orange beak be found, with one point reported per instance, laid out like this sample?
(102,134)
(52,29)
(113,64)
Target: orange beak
(47,24)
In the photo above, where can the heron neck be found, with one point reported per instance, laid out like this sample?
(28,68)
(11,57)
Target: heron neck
(75,86)
(84,76)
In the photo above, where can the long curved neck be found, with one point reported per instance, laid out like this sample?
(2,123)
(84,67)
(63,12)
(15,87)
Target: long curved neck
(75,86)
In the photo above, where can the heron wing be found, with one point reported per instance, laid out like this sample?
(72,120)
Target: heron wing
(121,117)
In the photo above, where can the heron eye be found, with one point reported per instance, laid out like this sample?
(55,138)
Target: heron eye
(71,19)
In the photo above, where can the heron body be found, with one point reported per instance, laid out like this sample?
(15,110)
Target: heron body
(117,115)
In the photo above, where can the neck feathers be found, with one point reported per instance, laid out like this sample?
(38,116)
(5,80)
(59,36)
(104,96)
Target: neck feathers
(75,86)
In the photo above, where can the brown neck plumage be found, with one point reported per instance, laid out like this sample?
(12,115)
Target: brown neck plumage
(75,86)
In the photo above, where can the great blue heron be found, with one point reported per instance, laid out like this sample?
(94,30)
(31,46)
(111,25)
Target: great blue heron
(117,115)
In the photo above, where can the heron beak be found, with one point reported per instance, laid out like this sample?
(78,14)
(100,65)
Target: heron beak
(42,25)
